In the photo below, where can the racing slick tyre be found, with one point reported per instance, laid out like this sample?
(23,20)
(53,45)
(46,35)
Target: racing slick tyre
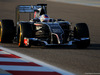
(25,31)
(81,31)
(6,31)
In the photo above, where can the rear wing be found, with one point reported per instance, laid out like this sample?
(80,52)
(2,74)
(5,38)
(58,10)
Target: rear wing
(29,9)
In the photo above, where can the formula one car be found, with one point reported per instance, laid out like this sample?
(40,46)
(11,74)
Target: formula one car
(42,30)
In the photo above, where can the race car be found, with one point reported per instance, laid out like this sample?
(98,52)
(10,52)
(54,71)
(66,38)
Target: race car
(40,29)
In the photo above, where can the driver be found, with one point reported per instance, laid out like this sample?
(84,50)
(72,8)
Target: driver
(44,18)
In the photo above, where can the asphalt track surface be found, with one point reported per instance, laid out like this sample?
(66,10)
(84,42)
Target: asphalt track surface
(95,3)
(78,61)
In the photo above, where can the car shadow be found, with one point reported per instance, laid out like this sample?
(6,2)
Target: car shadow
(91,47)
(94,47)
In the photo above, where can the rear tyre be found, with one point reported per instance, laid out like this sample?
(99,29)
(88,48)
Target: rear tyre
(25,30)
(6,31)
(81,31)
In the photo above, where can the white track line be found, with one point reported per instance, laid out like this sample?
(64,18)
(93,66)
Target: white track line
(3,52)
(93,3)
(61,71)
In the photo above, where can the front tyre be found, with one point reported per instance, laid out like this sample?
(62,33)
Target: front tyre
(81,32)
(25,31)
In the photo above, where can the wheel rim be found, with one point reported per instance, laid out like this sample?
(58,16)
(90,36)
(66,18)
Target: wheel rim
(20,36)
(0,31)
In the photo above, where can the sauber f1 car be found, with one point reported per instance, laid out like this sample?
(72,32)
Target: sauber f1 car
(42,30)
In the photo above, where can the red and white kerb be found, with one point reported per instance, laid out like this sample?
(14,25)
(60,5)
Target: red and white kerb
(19,66)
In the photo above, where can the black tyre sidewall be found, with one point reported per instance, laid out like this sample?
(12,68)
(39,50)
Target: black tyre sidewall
(81,31)
(7,31)
(26,30)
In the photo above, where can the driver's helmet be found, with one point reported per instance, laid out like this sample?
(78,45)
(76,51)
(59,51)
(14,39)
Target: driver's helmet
(44,18)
